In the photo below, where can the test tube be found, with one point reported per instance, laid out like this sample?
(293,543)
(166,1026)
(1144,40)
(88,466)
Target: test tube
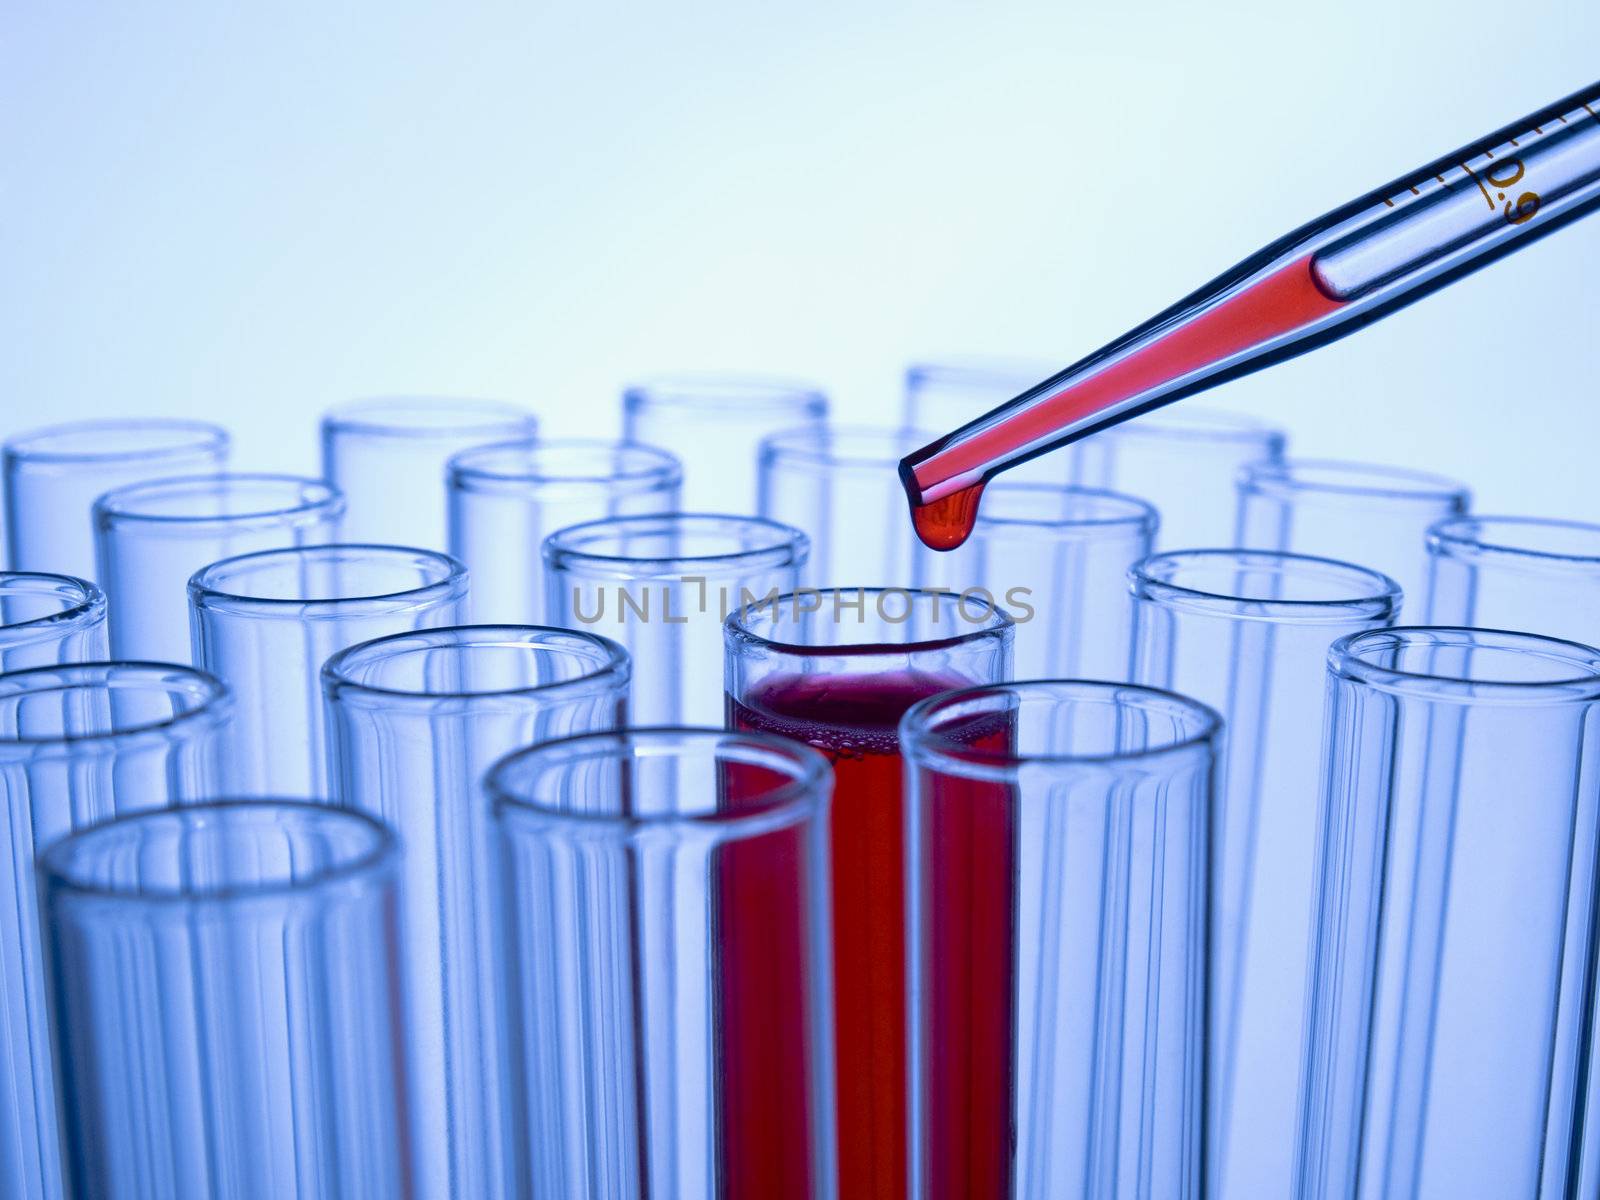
(387,454)
(1247,632)
(414,722)
(1185,461)
(1354,512)
(223,1004)
(151,537)
(52,476)
(837,672)
(713,424)
(1056,558)
(666,893)
(264,624)
(662,586)
(1453,948)
(1058,994)
(49,619)
(842,487)
(79,744)
(1527,573)
(506,499)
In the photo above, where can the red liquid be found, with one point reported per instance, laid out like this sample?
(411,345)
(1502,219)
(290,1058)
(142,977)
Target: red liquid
(853,719)
(766,1050)
(1278,304)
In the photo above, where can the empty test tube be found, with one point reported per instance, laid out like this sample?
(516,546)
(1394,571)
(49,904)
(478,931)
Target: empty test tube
(53,475)
(49,619)
(505,499)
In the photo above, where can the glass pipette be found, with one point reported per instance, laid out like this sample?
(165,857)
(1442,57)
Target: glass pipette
(1326,279)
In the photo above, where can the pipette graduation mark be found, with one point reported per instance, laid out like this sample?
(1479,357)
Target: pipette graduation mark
(1348,268)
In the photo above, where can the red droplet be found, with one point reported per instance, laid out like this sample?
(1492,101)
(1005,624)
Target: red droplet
(945,523)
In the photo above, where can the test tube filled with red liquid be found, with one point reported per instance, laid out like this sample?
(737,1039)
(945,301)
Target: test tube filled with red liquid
(837,670)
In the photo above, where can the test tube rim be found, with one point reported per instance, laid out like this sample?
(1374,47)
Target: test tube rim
(736,634)
(784,447)
(1279,477)
(206,435)
(804,795)
(1380,601)
(1139,514)
(1446,539)
(718,391)
(665,470)
(925,746)
(448,581)
(375,863)
(355,416)
(214,704)
(967,370)
(559,555)
(318,499)
(615,667)
(89,603)
(1345,661)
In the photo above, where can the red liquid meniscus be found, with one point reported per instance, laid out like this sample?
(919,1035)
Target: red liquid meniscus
(853,719)
(1286,300)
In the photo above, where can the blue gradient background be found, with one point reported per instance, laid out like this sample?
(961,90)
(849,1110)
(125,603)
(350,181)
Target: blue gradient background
(250,215)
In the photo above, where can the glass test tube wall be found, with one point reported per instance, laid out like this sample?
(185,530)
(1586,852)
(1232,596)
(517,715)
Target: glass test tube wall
(79,744)
(667,901)
(414,722)
(1354,512)
(1526,573)
(506,499)
(223,1004)
(1453,950)
(1058,981)
(1056,558)
(48,619)
(387,455)
(1247,632)
(837,672)
(945,394)
(151,537)
(53,475)
(841,485)
(662,586)
(1185,460)
(265,623)
(713,424)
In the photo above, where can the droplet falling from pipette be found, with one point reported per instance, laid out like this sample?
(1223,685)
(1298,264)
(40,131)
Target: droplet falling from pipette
(945,523)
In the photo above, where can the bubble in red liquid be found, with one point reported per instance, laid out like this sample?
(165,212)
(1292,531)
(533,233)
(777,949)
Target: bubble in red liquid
(945,523)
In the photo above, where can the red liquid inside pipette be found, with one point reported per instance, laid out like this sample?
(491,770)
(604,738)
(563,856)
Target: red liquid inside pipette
(1284,301)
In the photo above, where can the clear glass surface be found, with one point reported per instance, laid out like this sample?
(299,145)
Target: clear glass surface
(839,485)
(1354,512)
(1184,460)
(1528,573)
(506,499)
(1056,558)
(387,454)
(662,586)
(79,744)
(713,423)
(151,537)
(667,901)
(264,624)
(223,1004)
(53,475)
(1247,632)
(414,722)
(1452,971)
(49,619)
(1058,842)
(837,671)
